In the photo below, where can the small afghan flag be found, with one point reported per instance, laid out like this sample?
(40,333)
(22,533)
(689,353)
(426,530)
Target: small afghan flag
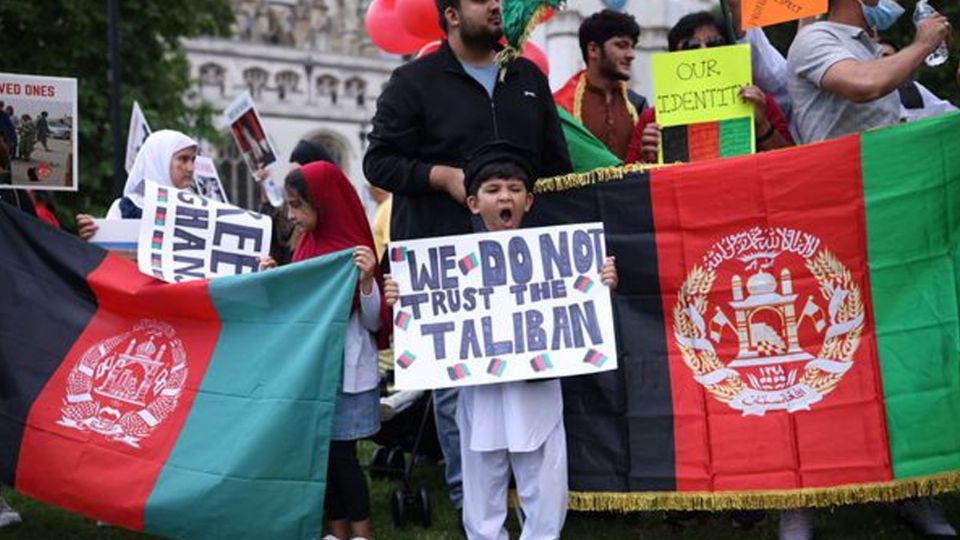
(161,217)
(708,140)
(595,358)
(406,359)
(162,195)
(468,263)
(398,254)
(157,242)
(583,284)
(458,372)
(496,367)
(402,320)
(541,363)
(156,260)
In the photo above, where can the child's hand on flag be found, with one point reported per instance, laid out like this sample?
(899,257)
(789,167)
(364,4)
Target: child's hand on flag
(391,291)
(366,262)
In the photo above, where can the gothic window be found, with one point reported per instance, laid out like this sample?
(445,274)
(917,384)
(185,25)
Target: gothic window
(287,82)
(212,75)
(356,88)
(256,80)
(327,86)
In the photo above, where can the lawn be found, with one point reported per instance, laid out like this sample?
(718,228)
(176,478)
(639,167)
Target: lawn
(873,522)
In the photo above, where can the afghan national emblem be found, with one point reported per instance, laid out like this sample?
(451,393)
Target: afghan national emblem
(781,333)
(125,386)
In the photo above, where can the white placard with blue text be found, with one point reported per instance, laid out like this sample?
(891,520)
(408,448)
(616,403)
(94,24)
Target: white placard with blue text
(505,306)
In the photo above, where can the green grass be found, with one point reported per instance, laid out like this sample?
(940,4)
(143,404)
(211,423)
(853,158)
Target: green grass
(862,522)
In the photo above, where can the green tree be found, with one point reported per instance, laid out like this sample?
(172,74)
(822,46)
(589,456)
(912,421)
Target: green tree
(940,80)
(68,38)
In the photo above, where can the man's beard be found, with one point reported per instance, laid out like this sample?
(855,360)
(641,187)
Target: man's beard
(479,36)
(609,69)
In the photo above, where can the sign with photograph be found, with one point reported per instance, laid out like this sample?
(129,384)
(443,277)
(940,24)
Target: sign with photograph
(206,180)
(505,306)
(246,126)
(38,129)
(184,236)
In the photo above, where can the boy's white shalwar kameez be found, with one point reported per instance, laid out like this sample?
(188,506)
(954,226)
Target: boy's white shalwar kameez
(514,426)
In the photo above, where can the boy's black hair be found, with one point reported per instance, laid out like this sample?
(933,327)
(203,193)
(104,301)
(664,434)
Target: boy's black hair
(442,6)
(506,170)
(498,159)
(687,26)
(296,184)
(603,25)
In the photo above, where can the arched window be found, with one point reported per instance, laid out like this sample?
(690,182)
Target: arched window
(213,75)
(327,85)
(287,82)
(256,80)
(356,88)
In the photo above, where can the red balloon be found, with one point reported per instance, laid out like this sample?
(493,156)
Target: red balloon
(536,55)
(429,48)
(385,30)
(419,18)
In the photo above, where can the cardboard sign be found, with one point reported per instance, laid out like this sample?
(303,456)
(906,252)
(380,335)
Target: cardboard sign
(506,306)
(701,85)
(247,129)
(756,13)
(136,135)
(38,125)
(184,236)
(206,180)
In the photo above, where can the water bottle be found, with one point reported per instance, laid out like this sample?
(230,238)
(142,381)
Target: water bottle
(939,56)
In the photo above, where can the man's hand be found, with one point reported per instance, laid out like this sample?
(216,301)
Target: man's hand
(449,179)
(391,291)
(932,31)
(86,228)
(650,143)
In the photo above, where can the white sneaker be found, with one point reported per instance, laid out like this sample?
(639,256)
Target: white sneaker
(7,515)
(796,524)
(925,515)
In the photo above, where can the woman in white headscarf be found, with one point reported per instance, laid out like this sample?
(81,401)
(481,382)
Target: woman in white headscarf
(166,158)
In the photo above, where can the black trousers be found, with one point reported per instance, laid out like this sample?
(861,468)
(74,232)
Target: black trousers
(347,494)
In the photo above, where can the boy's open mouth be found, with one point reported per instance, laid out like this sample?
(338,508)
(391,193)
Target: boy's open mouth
(506,215)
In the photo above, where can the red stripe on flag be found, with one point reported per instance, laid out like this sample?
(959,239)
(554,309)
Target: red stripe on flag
(842,437)
(85,471)
(703,141)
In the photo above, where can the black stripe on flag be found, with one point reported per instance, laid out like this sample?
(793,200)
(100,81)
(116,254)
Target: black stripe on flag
(45,304)
(676,147)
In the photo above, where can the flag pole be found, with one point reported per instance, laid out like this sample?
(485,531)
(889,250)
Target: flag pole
(728,22)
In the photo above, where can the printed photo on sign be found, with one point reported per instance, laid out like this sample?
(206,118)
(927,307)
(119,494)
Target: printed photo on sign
(247,129)
(38,131)
(698,103)
(136,135)
(184,236)
(497,307)
(206,180)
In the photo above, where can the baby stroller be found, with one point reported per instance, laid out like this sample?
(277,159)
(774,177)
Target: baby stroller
(407,427)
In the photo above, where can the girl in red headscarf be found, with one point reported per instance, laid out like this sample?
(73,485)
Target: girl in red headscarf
(324,206)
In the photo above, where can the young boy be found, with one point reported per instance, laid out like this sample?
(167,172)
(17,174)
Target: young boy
(514,426)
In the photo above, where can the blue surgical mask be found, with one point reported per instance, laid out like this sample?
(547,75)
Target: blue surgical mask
(883,15)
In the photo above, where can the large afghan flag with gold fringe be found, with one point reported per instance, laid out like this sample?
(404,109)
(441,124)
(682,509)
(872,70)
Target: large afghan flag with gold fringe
(199,410)
(788,325)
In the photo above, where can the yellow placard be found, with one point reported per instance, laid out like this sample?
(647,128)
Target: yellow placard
(756,13)
(701,85)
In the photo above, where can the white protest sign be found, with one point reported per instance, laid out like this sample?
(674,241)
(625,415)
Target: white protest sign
(136,135)
(184,236)
(505,306)
(206,180)
(247,129)
(118,235)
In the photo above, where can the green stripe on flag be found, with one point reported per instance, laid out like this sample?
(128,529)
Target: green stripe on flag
(735,134)
(911,178)
(586,151)
(251,459)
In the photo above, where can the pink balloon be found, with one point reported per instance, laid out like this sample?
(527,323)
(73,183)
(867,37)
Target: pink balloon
(419,18)
(385,30)
(429,48)
(537,56)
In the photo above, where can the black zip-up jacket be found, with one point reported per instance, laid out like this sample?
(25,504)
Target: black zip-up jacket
(433,113)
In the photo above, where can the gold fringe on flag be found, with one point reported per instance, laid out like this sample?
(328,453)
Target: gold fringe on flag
(596,176)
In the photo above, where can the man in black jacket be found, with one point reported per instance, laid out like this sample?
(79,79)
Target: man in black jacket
(432,115)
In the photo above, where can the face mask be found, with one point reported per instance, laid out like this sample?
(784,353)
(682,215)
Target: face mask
(883,15)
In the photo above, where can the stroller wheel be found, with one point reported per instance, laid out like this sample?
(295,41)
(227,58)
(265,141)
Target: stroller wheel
(398,507)
(426,512)
(396,464)
(378,463)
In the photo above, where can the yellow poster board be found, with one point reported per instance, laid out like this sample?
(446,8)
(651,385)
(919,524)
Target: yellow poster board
(756,13)
(701,85)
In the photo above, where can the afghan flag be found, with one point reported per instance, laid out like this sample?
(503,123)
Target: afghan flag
(194,410)
(787,323)
(707,140)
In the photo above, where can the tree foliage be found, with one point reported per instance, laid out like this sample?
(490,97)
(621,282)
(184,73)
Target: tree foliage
(68,38)
(940,80)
